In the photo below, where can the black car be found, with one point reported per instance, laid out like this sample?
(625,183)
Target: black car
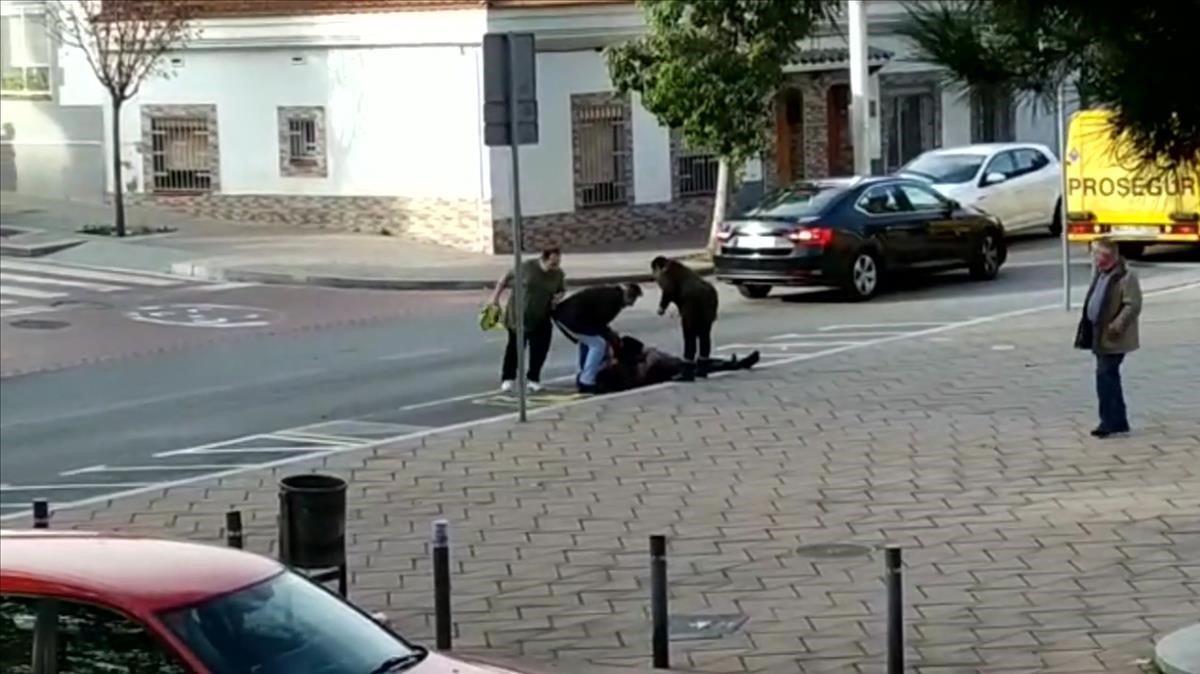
(851,233)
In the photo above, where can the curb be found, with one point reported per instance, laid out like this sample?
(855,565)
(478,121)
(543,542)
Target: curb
(367,283)
(13,249)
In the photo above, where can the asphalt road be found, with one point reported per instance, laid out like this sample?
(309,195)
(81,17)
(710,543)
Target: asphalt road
(143,392)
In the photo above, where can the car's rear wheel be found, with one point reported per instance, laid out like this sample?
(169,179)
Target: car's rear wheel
(754,291)
(985,264)
(865,276)
(1056,225)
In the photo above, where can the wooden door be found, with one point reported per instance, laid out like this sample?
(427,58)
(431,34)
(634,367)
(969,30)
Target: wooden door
(839,147)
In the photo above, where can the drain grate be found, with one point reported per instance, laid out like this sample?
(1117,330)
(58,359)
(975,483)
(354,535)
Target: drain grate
(38,324)
(833,550)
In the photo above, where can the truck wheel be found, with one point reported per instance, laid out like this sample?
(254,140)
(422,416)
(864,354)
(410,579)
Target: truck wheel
(754,291)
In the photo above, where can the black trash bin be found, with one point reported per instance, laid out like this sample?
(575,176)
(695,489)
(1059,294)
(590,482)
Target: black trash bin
(312,525)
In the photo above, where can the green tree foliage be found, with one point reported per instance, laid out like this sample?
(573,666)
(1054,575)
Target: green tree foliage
(1133,58)
(711,69)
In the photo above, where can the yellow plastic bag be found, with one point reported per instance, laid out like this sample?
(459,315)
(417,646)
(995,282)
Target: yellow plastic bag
(491,317)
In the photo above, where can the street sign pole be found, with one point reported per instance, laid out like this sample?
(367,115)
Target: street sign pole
(518,240)
(510,119)
(1062,212)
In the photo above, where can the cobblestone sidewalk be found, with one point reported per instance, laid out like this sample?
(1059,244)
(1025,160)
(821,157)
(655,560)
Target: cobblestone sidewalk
(1030,547)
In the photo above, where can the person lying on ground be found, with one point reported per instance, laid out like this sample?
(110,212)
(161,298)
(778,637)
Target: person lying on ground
(635,365)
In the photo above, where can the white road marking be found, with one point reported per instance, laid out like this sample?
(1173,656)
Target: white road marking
(508,416)
(72,485)
(47,281)
(860,326)
(25,311)
(17,291)
(414,354)
(4,301)
(131,278)
(779,345)
(217,287)
(282,449)
(102,468)
(822,335)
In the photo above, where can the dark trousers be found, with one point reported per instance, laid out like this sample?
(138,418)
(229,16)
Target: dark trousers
(538,339)
(1113,416)
(697,333)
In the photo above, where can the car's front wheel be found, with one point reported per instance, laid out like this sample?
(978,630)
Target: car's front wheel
(865,276)
(985,264)
(754,291)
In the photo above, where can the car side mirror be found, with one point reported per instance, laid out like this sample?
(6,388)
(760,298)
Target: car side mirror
(994,178)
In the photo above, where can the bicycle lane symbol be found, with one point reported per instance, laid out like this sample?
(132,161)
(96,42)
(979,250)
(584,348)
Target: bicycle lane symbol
(204,315)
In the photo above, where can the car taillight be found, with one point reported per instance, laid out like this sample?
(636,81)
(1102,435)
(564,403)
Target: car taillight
(1184,229)
(1081,228)
(811,236)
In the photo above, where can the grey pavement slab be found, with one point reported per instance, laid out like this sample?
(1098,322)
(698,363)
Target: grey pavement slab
(1029,545)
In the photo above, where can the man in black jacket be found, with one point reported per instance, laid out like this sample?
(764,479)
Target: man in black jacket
(585,318)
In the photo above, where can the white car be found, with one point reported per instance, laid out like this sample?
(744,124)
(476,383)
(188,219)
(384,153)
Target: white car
(1018,183)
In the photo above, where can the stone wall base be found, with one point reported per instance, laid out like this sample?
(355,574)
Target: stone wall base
(460,224)
(589,228)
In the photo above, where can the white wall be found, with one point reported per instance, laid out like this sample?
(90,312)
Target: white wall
(401,95)
(547,175)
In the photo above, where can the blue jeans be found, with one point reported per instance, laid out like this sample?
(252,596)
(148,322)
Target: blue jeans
(592,351)
(1113,416)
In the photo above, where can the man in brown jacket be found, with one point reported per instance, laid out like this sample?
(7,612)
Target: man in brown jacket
(1109,328)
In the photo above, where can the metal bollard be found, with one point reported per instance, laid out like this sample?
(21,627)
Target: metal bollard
(443,624)
(659,611)
(233,529)
(894,577)
(41,513)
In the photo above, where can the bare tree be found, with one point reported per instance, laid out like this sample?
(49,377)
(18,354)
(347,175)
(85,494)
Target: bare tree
(124,42)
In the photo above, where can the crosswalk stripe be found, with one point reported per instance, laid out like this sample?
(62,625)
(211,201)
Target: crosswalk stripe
(46,281)
(29,292)
(4,301)
(75,272)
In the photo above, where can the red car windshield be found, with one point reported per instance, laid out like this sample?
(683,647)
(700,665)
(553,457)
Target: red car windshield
(287,625)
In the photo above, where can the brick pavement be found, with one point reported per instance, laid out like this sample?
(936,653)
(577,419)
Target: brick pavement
(1030,546)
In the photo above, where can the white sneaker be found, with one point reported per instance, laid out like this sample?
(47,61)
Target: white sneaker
(506,386)
(533,387)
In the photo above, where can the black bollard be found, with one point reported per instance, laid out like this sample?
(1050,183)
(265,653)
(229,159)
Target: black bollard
(659,612)
(443,624)
(41,513)
(233,529)
(894,577)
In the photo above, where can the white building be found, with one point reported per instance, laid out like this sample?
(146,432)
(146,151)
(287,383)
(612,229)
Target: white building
(46,149)
(363,114)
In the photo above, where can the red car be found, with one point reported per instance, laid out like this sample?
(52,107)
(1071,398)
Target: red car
(84,603)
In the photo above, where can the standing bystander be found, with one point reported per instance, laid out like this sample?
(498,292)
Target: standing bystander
(1109,329)
(544,285)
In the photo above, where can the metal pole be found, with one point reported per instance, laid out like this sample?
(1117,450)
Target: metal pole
(860,118)
(517,236)
(1062,218)
(233,529)
(41,513)
(659,613)
(893,576)
(441,584)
